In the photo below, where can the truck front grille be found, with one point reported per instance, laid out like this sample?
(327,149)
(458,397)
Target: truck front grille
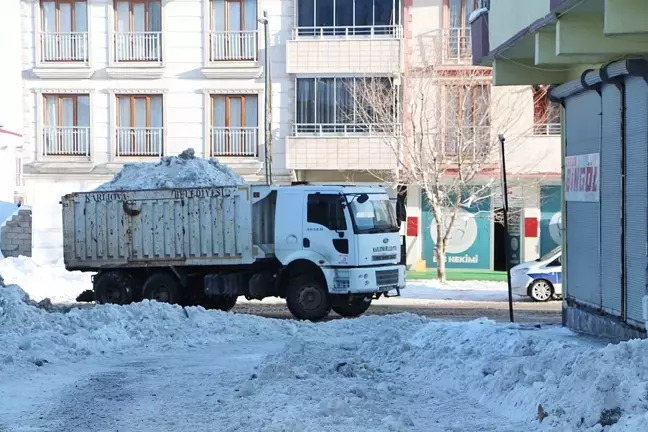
(387,277)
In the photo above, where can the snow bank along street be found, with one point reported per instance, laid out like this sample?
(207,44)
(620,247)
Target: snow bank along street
(152,366)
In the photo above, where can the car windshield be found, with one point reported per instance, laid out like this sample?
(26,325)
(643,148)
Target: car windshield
(373,216)
(553,252)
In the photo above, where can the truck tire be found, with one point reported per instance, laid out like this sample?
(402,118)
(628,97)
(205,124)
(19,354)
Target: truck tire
(307,299)
(162,287)
(224,303)
(356,308)
(114,287)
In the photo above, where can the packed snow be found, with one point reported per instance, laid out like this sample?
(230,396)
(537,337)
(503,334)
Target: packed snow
(458,290)
(182,171)
(152,366)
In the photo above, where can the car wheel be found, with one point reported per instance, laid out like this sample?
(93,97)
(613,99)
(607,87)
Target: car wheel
(162,287)
(541,290)
(307,299)
(356,308)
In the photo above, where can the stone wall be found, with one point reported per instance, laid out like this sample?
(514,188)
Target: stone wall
(16,235)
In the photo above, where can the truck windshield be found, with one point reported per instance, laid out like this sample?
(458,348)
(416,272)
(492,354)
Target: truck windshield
(373,215)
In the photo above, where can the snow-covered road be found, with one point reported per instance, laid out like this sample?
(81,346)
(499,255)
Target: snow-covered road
(152,367)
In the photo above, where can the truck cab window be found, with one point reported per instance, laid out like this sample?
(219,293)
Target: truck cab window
(326,210)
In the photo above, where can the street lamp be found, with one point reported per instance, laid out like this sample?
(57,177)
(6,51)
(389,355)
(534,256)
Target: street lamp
(268,99)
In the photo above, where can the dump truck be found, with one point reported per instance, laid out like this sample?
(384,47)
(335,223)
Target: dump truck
(317,247)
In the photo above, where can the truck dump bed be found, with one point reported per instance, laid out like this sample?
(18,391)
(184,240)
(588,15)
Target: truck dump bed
(154,228)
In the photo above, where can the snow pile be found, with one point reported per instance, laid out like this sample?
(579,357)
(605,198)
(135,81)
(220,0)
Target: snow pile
(45,281)
(29,334)
(182,171)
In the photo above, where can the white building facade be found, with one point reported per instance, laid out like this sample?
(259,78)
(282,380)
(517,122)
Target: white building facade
(107,82)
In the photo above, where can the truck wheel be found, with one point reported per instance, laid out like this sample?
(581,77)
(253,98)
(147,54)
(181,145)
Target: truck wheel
(307,299)
(114,287)
(355,309)
(224,303)
(162,287)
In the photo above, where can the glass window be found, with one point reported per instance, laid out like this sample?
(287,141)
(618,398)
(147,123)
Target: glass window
(326,210)
(344,15)
(375,215)
(324,13)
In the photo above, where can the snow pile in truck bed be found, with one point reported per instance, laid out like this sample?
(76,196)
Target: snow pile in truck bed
(182,171)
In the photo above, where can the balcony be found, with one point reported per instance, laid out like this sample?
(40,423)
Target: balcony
(457,46)
(546,129)
(343,147)
(236,142)
(137,55)
(356,49)
(63,55)
(468,143)
(66,141)
(139,141)
(233,54)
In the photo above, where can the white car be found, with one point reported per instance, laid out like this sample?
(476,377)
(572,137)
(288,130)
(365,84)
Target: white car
(540,279)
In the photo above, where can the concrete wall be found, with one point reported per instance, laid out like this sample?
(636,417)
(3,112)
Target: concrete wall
(16,234)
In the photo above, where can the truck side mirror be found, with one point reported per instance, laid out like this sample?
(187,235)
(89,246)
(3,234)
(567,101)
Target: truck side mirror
(362,198)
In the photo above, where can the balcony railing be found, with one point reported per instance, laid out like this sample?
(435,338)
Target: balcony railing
(139,141)
(469,142)
(138,47)
(64,47)
(342,129)
(352,32)
(66,141)
(546,129)
(234,46)
(230,141)
(457,45)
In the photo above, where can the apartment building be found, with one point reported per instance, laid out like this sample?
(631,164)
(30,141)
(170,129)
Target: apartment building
(439,38)
(108,82)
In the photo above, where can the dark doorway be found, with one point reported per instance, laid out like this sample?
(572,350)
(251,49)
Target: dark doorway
(499,251)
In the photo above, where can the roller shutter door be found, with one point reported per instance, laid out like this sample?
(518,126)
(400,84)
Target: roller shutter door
(636,195)
(583,136)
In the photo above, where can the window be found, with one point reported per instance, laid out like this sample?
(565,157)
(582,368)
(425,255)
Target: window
(326,210)
(467,119)
(66,125)
(457,38)
(546,114)
(138,26)
(235,125)
(139,125)
(19,170)
(336,105)
(64,35)
(348,17)
(233,30)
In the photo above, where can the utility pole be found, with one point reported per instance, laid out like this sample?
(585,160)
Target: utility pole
(268,99)
(507,241)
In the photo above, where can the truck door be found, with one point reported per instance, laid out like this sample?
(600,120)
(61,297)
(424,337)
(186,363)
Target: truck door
(328,230)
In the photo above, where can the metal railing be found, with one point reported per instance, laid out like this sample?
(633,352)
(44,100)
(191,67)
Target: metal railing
(379,31)
(66,141)
(343,129)
(234,141)
(139,141)
(234,46)
(469,142)
(138,47)
(546,129)
(64,47)
(457,45)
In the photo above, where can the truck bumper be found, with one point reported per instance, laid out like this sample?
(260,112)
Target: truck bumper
(365,280)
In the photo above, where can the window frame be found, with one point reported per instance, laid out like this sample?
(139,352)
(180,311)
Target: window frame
(448,128)
(57,14)
(244,98)
(59,111)
(345,127)
(131,14)
(133,98)
(59,126)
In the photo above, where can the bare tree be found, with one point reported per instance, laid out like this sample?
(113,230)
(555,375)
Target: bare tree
(442,125)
